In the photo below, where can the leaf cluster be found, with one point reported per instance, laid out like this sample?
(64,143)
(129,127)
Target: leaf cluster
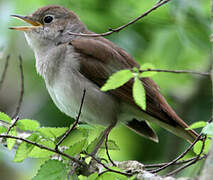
(82,139)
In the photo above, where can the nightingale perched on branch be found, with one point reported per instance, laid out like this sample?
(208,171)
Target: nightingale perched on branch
(71,63)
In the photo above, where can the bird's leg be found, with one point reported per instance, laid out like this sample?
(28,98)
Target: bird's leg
(104,137)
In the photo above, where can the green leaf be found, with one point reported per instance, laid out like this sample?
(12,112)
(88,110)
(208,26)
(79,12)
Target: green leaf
(94,143)
(197,147)
(25,148)
(111,145)
(11,142)
(208,129)
(5,117)
(145,67)
(3,129)
(86,126)
(50,132)
(75,136)
(196,125)
(93,176)
(117,79)
(76,148)
(139,94)
(51,169)
(27,124)
(42,153)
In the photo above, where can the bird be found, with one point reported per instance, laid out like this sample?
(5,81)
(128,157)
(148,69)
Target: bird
(70,63)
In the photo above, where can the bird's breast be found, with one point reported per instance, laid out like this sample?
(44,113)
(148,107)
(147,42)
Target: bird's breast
(66,90)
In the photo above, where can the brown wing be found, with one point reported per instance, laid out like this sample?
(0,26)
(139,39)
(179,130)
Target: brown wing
(99,58)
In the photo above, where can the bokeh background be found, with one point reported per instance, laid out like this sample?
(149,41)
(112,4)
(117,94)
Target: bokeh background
(176,37)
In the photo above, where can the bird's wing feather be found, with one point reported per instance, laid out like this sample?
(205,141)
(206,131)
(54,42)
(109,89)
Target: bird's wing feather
(99,58)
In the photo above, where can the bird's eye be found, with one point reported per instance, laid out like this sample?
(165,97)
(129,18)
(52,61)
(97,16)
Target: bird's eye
(48,19)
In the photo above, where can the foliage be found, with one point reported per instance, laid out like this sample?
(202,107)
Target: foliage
(42,143)
(121,77)
(45,138)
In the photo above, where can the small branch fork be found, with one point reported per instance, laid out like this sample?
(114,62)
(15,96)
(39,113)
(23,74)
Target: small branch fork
(156,6)
(107,168)
(74,125)
(179,157)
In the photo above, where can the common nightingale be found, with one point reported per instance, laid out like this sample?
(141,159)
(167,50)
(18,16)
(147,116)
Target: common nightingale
(70,63)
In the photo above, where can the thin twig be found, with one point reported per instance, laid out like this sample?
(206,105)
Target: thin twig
(190,163)
(179,157)
(176,71)
(43,147)
(75,123)
(107,150)
(177,163)
(4,71)
(13,124)
(22,88)
(156,6)
(107,168)
(159,1)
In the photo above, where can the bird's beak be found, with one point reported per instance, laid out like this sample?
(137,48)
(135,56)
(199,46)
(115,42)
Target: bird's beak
(28,20)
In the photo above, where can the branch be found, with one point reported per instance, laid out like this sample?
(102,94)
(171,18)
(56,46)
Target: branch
(179,157)
(177,71)
(74,125)
(22,88)
(190,163)
(107,168)
(156,6)
(4,71)
(13,124)
(43,147)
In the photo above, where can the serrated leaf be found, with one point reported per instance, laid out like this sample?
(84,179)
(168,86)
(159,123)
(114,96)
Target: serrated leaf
(196,125)
(5,117)
(111,145)
(86,126)
(51,132)
(27,124)
(145,67)
(24,148)
(42,153)
(3,129)
(139,94)
(117,79)
(208,129)
(75,136)
(51,169)
(76,148)
(197,147)
(11,142)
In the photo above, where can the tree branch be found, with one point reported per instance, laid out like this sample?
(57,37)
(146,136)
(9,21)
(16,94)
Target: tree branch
(156,6)
(177,71)
(43,147)
(179,157)
(75,123)
(22,88)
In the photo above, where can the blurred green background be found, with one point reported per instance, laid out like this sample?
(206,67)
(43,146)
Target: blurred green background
(176,36)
